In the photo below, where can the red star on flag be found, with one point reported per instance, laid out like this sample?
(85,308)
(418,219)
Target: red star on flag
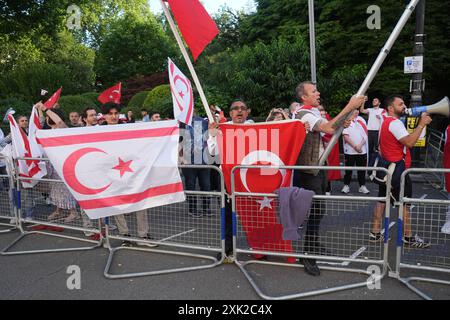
(123,167)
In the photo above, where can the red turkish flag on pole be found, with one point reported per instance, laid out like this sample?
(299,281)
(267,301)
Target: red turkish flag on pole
(53,99)
(195,24)
(112,94)
(273,144)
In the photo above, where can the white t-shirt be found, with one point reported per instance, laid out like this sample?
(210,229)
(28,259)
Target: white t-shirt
(357,134)
(397,128)
(374,123)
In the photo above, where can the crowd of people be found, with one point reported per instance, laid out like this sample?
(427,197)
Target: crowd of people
(384,137)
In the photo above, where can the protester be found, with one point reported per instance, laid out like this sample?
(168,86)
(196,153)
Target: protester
(333,158)
(312,149)
(60,196)
(194,149)
(74,118)
(145,116)
(155,117)
(277,114)
(130,117)
(355,152)
(394,142)
(89,117)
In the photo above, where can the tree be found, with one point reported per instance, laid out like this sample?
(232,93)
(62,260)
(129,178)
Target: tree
(133,47)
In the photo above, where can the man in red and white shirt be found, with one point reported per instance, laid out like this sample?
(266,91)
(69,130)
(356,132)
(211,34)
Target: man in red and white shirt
(394,142)
(373,125)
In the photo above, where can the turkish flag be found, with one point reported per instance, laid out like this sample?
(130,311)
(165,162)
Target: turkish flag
(116,169)
(53,99)
(274,144)
(182,96)
(195,24)
(24,146)
(112,94)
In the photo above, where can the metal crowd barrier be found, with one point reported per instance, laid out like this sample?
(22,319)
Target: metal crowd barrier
(344,234)
(174,230)
(427,216)
(8,220)
(434,159)
(35,207)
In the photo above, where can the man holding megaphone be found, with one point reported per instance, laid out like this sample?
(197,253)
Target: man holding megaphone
(394,143)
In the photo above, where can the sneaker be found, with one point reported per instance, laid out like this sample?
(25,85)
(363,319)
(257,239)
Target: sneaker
(415,242)
(376,237)
(147,244)
(71,217)
(345,189)
(364,190)
(328,193)
(446,228)
(310,266)
(88,233)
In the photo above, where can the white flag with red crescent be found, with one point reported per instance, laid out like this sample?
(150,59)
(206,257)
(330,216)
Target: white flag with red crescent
(117,169)
(26,147)
(182,96)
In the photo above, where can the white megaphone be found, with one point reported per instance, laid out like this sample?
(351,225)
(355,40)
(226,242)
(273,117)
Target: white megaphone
(9,111)
(442,107)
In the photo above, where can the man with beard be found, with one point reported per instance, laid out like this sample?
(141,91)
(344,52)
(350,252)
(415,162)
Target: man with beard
(394,141)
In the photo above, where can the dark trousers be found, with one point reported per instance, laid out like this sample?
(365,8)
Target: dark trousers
(373,146)
(318,184)
(360,160)
(215,180)
(190,178)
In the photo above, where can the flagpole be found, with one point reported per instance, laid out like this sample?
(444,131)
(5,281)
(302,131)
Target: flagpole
(188,61)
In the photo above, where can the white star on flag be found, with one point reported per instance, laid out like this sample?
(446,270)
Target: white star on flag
(265,203)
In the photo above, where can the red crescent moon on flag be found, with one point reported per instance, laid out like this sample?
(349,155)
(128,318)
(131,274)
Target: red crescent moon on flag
(178,78)
(70,176)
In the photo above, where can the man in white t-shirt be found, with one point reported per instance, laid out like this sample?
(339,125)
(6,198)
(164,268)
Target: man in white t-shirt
(355,151)
(394,141)
(373,125)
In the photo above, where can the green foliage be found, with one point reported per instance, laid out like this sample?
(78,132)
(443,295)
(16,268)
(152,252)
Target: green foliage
(26,81)
(264,75)
(74,103)
(159,100)
(133,47)
(92,96)
(16,53)
(136,103)
(76,57)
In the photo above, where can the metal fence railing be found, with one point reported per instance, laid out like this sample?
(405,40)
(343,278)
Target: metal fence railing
(343,235)
(423,218)
(191,229)
(49,209)
(8,220)
(434,159)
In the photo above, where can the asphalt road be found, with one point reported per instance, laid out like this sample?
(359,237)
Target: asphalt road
(45,276)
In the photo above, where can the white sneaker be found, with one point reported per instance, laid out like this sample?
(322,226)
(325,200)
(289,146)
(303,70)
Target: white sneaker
(345,189)
(364,190)
(446,228)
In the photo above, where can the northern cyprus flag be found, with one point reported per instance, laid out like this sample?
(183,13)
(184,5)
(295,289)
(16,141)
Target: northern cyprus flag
(117,169)
(182,96)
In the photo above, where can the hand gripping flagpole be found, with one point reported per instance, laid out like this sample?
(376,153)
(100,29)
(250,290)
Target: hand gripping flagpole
(188,61)
(372,73)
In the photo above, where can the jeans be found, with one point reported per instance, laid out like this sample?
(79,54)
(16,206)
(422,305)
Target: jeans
(190,177)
